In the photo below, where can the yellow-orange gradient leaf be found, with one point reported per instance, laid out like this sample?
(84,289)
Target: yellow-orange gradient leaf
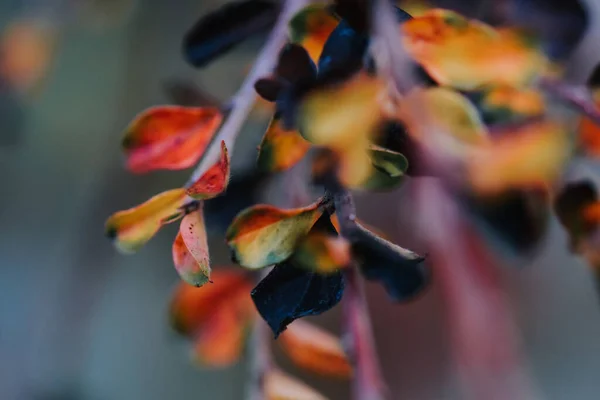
(279,386)
(214,181)
(264,235)
(315,350)
(169,137)
(467,54)
(190,250)
(532,155)
(131,229)
(280,149)
(311,27)
(322,252)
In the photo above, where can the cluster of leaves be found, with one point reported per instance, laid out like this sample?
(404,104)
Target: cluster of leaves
(476,118)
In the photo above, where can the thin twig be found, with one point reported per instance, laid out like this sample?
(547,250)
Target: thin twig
(358,340)
(242,102)
(577,96)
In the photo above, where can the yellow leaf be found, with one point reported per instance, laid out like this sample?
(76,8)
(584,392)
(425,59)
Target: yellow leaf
(315,349)
(279,386)
(531,156)
(263,235)
(322,252)
(311,27)
(467,54)
(131,229)
(280,149)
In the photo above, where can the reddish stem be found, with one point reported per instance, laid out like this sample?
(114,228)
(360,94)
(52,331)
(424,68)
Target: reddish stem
(359,342)
(483,334)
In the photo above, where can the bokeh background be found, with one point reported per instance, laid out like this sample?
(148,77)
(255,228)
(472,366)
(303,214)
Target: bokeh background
(78,321)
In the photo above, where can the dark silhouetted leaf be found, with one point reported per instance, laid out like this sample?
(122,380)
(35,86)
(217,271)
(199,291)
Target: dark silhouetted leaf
(295,65)
(269,88)
(219,31)
(402,272)
(289,293)
(560,23)
(570,204)
(516,220)
(594,79)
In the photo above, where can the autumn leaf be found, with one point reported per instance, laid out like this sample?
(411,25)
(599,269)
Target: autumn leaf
(388,169)
(190,250)
(280,149)
(214,181)
(27,47)
(323,253)
(311,27)
(131,229)
(442,116)
(505,104)
(191,307)
(264,235)
(532,155)
(288,293)
(315,350)
(216,316)
(279,386)
(169,137)
(467,54)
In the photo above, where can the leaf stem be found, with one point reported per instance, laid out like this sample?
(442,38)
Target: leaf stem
(243,100)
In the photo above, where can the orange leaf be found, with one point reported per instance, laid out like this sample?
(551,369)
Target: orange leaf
(315,349)
(27,47)
(467,54)
(169,137)
(191,307)
(131,229)
(280,149)
(214,181)
(279,386)
(311,28)
(532,155)
(190,250)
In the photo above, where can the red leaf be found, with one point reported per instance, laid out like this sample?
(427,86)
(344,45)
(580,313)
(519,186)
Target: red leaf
(214,181)
(169,137)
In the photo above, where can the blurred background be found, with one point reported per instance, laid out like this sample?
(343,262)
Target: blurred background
(78,321)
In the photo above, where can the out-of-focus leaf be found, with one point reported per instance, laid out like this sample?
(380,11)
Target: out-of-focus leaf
(191,307)
(315,350)
(279,386)
(449,115)
(589,131)
(288,293)
(389,168)
(190,250)
(264,235)
(531,156)
(343,115)
(169,137)
(295,65)
(467,54)
(571,204)
(505,104)
(131,229)
(280,149)
(214,181)
(27,47)
(322,252)
(514,221)
(401,271)
(220,341)
(216,316)
(311,27)
(560,24)
(221,30)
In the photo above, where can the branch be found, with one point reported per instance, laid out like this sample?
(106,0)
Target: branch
(577,96)
(260,359)
(243,100)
